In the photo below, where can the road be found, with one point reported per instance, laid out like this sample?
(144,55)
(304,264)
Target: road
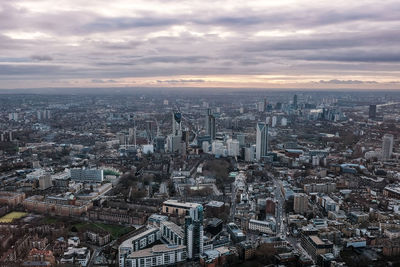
(281,224)
(279,212)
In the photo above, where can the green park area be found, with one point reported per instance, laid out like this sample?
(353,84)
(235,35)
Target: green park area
(115,230)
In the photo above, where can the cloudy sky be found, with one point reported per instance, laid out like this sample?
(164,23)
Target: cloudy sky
(206,43)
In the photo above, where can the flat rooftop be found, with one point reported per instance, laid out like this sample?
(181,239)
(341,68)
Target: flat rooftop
(185,205)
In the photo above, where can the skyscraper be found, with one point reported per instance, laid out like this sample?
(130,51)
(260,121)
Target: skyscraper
(176,123)
(262,140)
(387,146)
(132,136)
(295,101)
(372,111)
(194,231)
(210,124)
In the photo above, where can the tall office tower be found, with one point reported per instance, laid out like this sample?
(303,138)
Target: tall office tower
(149,131)
(387,146)
(174,143)
(270,206)
(210,124)
(159,142)
(194,231)
(260,107)
(176,123)
(372,111)
(261,140)
(295,101)
(274,121)
(241,138)
(233,147)
(186,137)
(132,136)
(300,204)
(47,114)
(121,138)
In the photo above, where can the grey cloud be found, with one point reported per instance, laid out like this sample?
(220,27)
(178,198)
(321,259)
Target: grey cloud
(346,82)
(174,59)
(103,81)
(182,81)
(103,24)
(343,40)
(41,58)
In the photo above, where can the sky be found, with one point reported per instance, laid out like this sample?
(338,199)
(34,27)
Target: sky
(206,43)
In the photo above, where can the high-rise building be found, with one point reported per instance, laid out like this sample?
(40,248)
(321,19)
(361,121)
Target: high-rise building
(194,232)
(174,143)
(132,136)
(261,140)
(193,213)
(210,124)
(387,146)
(300,204)
(13,116)
(121,138)
(45,182)
(261,106)
(372,111)
(233,147)
(159,143)
(295,101)
(250,153)
(176,123)
(274,120)
(270,206)
(241,138)
(149,131)
(43,114)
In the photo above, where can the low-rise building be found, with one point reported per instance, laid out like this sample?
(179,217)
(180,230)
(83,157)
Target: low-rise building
(158,255)
(172,233)
(316,246)
(11,198)
(67,206)
(267,227)
(79,256)
(142,239)
(235,233)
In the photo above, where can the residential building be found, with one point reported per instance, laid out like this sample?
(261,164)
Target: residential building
(261,140)
(158,255)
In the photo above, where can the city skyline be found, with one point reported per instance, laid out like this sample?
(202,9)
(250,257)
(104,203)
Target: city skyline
(290,44)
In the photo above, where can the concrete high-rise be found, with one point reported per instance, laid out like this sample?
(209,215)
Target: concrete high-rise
(233,147)
(210,124)
(132,136)
(387,146)
(295,101)
(261,140)
(194,214)
(194,232)
(372,111)
(300,204)
(176,123)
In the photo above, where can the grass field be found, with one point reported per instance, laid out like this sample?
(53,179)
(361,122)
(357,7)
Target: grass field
(12,216)
(114,230)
